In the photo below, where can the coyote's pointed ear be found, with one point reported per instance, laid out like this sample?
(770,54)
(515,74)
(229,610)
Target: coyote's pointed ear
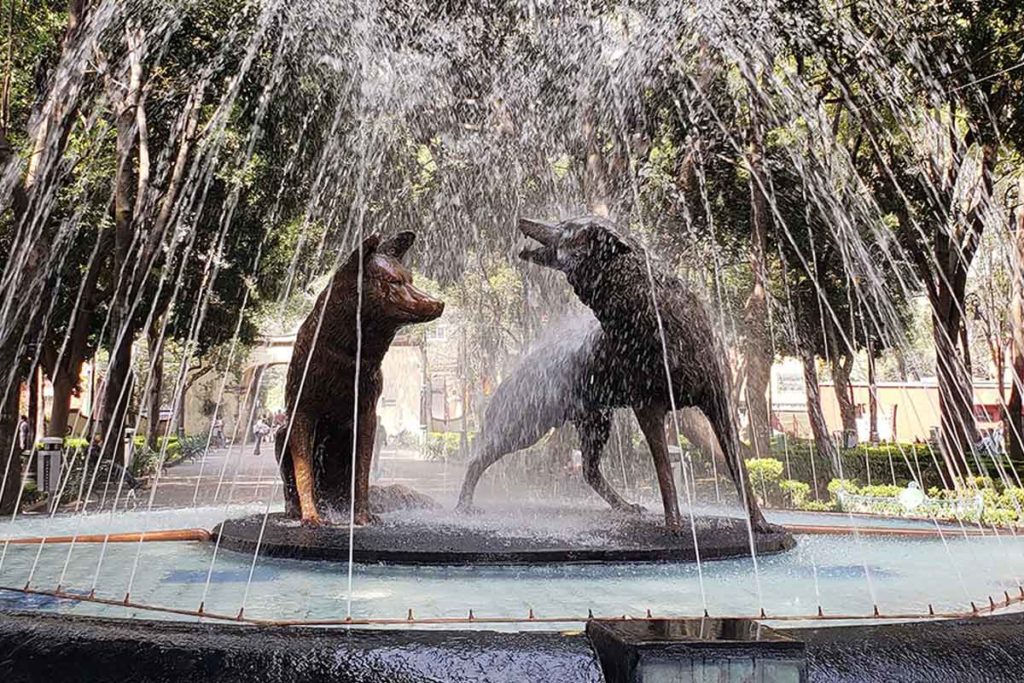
(398,245)
(369,246)
(371,243)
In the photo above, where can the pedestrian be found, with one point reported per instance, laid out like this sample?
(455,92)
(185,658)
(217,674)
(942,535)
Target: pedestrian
(260,430)
(24,433)
(95,448)
(218,432)
(380,440)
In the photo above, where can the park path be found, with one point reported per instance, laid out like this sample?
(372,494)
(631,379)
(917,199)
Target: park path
(236,474)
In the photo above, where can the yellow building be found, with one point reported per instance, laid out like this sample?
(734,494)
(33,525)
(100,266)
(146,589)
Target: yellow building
(907,411)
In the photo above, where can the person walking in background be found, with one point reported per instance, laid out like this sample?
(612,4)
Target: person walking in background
(380,440)
(24,433)
(260,431)
(218,433)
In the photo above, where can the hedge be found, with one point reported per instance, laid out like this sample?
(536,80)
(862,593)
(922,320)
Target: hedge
(1002,505)
(902,462)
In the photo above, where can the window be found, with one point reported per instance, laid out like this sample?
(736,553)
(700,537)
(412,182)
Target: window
(438,332)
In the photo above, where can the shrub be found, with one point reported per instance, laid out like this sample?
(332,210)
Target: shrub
(817,506)
(880,491)
(999,516)
(765,474)
(1001,506)
(193,446)
(144,461)
(764,469)
(30,494)
(837,485)
(905,462)
(444,446)
(981,482)
(1012,499)
(795,493)
(170,446)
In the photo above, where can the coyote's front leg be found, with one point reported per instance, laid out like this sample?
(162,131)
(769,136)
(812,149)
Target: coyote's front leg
(301,439)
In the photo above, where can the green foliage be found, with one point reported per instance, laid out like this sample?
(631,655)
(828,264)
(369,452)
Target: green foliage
(30,494)
(765,475)
(486,319)
(1000,506)
(144,461)
(37,35)
(1013,498)
(764,469)
(796,493)
(837,485)
(818,506)
(174,449)
(905,462)
(193,446)
(445,446)
(880,490)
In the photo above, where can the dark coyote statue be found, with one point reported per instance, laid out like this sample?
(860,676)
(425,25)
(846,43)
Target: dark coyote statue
(650,326)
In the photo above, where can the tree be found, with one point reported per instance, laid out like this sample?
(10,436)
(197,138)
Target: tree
(24,207)
(757,348)
(120,220)
(189,232)
(935,143)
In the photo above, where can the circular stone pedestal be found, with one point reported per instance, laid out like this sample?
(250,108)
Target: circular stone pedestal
(542,536)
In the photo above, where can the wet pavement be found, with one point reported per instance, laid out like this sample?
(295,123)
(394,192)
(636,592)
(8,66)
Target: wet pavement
(236,475)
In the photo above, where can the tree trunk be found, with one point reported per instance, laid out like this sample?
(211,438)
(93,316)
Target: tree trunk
(942,251)
(249,408)
(1015,407)
(34,402)
(116,398)
(841,379)
(64,383)
(758,361)
(66,366)
(947,284)
(180,426)
(957,430)
(116,390)
(872,396)
(826,450)
(965,347)
(10,454)
(595,185)
(154,342)
(698,431)
(198,372)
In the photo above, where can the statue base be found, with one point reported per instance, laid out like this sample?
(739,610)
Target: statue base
(508,536)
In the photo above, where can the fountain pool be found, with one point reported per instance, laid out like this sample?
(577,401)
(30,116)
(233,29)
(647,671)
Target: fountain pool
(843,574)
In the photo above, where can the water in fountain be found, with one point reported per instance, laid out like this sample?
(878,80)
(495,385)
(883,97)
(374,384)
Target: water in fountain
(194,171)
